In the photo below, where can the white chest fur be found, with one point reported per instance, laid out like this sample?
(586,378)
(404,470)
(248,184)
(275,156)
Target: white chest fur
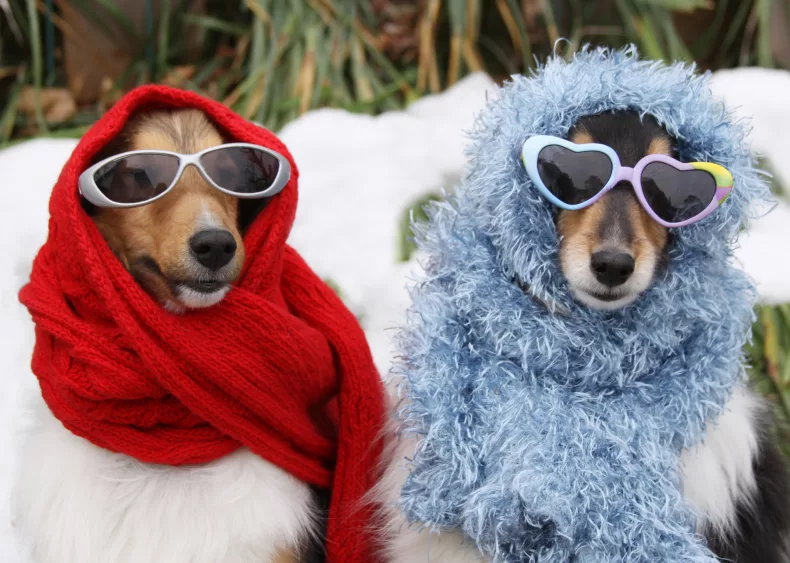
(718,472)
(715,475)
(77,503)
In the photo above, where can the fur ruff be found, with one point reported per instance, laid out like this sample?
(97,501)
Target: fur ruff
(98,506)
(549,431)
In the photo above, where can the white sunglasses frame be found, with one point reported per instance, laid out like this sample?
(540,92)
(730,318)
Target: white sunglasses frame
(91,192)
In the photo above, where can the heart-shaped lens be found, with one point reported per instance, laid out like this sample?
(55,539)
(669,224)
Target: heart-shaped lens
(573,177)
(677,195)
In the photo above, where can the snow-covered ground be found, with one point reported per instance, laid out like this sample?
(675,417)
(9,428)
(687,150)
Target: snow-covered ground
(763,96)
(358,173)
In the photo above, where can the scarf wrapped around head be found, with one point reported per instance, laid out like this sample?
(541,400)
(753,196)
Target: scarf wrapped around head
(255,370)
(549,431)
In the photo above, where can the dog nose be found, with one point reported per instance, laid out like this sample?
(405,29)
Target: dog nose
(213,248)
(612,267)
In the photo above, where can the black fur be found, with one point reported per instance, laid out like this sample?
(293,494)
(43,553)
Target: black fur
(630,137)
(249,209)
(763,521)
(628,134)
(314,551)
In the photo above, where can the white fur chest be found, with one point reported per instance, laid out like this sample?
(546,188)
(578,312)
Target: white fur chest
(78,503)
(718,472)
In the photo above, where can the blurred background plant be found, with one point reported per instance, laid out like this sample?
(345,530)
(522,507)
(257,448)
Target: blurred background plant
(63,62)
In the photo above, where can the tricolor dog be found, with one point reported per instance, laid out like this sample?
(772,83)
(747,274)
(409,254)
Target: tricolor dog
(610,252)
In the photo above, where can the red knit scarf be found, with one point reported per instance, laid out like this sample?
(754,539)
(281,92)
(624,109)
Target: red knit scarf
(255,370)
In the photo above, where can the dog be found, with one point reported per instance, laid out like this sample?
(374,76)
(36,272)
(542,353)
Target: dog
(610,253)
(96,506)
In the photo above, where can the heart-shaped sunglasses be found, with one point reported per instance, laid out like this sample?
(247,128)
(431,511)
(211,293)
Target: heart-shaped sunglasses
(574,176)
(135,178)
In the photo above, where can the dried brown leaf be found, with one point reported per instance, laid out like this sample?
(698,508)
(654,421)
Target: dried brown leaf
(57,104)
(178,75)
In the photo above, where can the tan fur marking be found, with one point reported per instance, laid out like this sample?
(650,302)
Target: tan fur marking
(659,145)
(161,230)
(146,138)
(185,131)
(581,137)
(286,556)
(579,231)
(578,228)
(649,236)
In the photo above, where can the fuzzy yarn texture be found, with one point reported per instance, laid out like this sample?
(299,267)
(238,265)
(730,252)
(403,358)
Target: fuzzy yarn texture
(119,370)
(549,431)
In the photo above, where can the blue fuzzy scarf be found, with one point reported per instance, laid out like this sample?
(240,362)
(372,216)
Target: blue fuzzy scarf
(549,431)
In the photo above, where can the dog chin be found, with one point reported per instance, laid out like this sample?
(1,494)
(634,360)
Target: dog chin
(189,298)
(602,301)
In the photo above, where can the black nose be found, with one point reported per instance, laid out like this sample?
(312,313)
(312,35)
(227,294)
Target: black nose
(612,267)
(213,248)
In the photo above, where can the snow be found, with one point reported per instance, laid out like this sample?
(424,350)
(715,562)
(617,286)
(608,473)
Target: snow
(29,171)
(357,175)
(763,95)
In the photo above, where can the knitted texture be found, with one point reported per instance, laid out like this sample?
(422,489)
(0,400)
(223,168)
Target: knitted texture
(550,431)
(254,370)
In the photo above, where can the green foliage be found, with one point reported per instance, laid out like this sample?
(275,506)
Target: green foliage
(271,60)
(777,189)
(415,211)
(334,286)
(769,364)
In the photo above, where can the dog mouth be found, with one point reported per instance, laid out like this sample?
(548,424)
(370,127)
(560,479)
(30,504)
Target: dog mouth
(588,288)
(197,294)
(607,297)
(202,286)
(604,300)
(177,293)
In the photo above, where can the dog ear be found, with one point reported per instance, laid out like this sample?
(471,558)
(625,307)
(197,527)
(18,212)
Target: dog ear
(90,209)
(249,209)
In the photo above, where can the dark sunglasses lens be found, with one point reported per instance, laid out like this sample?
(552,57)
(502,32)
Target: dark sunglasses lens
(573,177)
(242,170)
(677,195)
(137,178)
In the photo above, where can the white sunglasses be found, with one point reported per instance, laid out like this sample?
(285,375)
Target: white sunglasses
(136,178)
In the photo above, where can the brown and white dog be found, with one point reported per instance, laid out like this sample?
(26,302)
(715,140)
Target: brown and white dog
(610,253)
(96,506)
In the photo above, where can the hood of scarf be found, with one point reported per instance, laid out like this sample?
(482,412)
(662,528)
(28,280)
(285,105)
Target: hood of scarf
(528,402)
(265,369)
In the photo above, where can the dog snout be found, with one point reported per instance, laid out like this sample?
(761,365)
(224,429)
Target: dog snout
(213,248)
(612,267)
